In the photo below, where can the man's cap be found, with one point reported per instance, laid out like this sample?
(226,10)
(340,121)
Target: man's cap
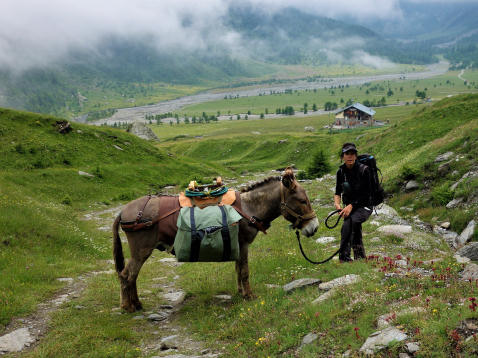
(349,147)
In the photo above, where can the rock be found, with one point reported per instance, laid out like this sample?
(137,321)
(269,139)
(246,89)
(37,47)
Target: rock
(323,297)
(374,222)
(347,353)
(385,210)
(309,129)
(309,338)
(412,347)
(272,285)
(412,185)
(382,339)
(161,316)
(443,168)
(300,283)
(396,230)
(85,174)
(443,157)
(224,297)
(340,281)
(170,342)
(461,260)
(138,317)
(325,239)
(175,297)
(401,263)
(387,319)
(470,251)
(16,341)
(454,203)
(470,272)
(282,141)
(445,225)
(65,279)
(403,355)
(142,131)
(466,234)
(256,133)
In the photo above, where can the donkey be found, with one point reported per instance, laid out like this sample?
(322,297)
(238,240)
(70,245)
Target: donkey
(261,202)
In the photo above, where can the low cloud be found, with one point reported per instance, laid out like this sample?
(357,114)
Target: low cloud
(43,32)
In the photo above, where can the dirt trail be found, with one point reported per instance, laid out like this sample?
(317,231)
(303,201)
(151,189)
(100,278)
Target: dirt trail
(138,113)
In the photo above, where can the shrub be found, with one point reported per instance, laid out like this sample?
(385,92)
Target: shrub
(319,166)
(66,200)
(442,194)
(409,173)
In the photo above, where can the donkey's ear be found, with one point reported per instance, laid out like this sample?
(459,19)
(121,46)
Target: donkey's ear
(288,178)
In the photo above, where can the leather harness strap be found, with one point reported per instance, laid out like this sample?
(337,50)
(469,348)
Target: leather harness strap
(137,225)
(254,221)
(286,209)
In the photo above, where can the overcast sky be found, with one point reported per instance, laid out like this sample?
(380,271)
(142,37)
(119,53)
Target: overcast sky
(36,32)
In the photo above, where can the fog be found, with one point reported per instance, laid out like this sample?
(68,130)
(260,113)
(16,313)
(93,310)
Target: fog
(43,32)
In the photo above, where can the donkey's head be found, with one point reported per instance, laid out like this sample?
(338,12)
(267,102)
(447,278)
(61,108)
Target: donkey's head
(295,205)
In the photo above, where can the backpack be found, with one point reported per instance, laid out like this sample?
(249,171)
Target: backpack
(377,194)
(207,235)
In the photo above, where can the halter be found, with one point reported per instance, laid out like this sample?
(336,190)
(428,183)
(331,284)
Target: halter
(285,209)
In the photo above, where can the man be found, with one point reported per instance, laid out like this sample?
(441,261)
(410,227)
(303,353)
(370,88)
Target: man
(354,188)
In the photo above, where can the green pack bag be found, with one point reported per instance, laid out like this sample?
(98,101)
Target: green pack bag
(207,235)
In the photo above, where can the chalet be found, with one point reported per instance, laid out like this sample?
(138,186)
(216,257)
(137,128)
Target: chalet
(353,116)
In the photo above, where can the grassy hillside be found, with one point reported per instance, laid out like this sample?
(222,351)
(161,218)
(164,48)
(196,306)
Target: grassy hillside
(43,197)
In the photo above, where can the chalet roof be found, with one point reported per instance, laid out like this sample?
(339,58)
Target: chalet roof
(360,107)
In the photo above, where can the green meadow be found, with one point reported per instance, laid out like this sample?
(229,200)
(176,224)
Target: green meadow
(44,236)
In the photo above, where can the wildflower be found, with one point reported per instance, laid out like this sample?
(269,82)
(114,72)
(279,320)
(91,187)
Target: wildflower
(317,314)
(356,332)
(262,302)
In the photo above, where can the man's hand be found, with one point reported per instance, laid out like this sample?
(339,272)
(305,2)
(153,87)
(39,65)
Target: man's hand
(346,211)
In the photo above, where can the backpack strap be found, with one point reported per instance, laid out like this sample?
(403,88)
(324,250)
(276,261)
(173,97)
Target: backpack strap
(196,238)
(226,237)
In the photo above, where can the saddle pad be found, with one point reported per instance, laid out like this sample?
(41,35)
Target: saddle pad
(227,199)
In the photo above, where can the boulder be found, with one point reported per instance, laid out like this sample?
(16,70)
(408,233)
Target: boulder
(466,234)
(396,230)
(300,283)
(443,157)
(381,339)
(470,272)
(141,130)
(470,251)
(454,203)
(16,341)
(384,210)
(412,185)
(460,259)
(339,281)
(323,297)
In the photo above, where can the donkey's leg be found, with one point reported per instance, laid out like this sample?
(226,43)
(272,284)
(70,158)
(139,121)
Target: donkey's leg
(243,275)
(239,282)
(129,293)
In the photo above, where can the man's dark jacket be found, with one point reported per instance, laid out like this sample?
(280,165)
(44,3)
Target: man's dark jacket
(358,190)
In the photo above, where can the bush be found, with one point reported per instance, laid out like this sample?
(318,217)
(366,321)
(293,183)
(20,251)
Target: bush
(409,173)
(442,194)
(66,200)
(319,166)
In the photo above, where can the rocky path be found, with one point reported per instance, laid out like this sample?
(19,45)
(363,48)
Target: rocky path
(23,334)
(138,113)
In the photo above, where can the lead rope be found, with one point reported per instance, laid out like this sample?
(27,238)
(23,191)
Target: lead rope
(297,233)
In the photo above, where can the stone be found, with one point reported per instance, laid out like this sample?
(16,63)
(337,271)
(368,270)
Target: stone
(470,272)
(466,234)
(138,317)
(384,210)
(85,174)
(339,281)
(445,225)
(224,297)
(443,168)
(412,347)
(141,130)
(16,341)
(396,230)
(382,339)
(387,319)
(470,251)
(170,342)
(454,203)
(175,297)
(325,239)
(411,185)
(403,355)
(401,263)
(301,283)
(443,157)
(65,279)
(460,259)
(117,147)
(272,285)
(309,338)
(309,129)
(323,297)
(161,316)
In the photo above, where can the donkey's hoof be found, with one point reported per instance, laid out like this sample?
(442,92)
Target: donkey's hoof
(138,306)
(249,296)
(129,308)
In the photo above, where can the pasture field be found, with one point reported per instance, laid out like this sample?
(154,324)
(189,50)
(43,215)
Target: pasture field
(44,200)
(402,91)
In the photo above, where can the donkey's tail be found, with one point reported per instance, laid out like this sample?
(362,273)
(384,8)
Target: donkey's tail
(117,247)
